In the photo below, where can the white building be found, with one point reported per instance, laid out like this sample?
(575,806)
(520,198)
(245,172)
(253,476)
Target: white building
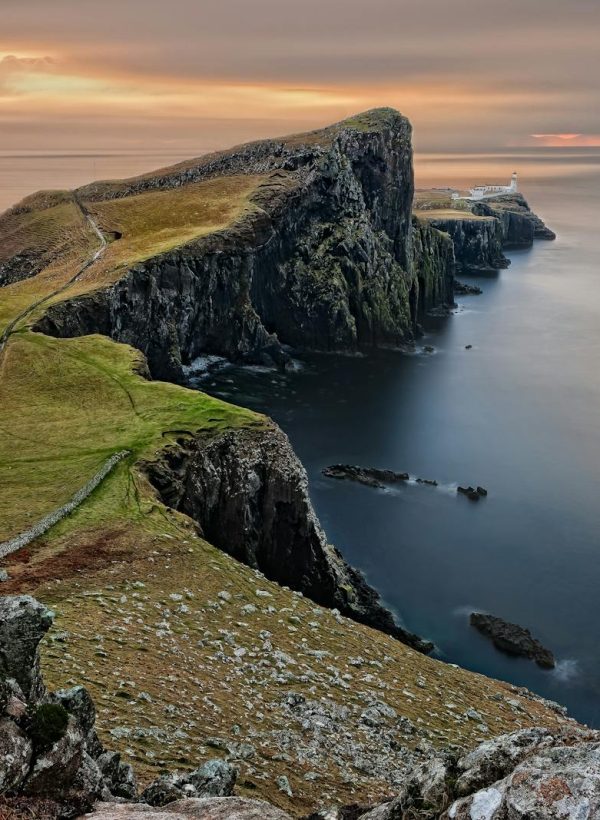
(483,191)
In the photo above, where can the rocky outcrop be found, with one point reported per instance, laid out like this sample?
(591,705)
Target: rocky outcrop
(370,476)
(216,778)
(248,493)
(520,226)
(513,639)
(49,749)
(528,775)
(326,259)
(434,267)
(477,241)
(227,808)
(532,774)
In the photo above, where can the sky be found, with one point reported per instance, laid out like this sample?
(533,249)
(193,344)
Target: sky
(194,75)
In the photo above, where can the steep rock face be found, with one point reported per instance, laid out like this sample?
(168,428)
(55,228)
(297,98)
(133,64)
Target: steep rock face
(517,228)
(249,494)
(324,260)
(477,243)
(434,267)
(520,225)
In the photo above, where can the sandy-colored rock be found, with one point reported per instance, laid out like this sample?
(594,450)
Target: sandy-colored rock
(212,808)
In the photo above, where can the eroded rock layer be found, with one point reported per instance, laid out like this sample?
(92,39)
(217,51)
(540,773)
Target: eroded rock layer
(249,494)
(323,259)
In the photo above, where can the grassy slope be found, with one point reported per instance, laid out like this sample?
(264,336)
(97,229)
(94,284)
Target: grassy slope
(69,404)
(65,405)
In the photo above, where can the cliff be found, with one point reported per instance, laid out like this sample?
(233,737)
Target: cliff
(434,267)
(248,493)
(520,225)
(321,257)
(477,240)
(480,230)
(53,764)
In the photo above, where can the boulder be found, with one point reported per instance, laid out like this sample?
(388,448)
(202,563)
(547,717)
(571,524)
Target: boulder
(119,777)
(513,639)
(167,788)
(424,793)
(78,702)
(54,771)
(216,778)
(23,624)
(211,808)
(492,760)
(15,755)
(558,783)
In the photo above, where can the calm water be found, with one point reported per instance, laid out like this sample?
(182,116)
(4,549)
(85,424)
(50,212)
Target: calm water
(519,413)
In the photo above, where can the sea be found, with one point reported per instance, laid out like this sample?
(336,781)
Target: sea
(509,399)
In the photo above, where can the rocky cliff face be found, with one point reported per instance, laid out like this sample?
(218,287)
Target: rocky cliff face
(434,268)
(324,261)
(477,242)
(248,493)
(520,225)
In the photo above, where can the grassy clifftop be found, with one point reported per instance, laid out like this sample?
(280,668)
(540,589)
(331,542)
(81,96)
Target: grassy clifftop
(189,654)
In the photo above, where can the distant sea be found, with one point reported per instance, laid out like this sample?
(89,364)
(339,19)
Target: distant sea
(519,413)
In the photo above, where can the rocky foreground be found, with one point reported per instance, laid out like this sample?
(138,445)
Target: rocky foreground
(52,764)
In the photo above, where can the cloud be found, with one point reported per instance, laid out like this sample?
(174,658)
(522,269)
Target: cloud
(469,74)
(568,140)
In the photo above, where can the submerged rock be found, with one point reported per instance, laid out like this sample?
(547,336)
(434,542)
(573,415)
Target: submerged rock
(513,639)
(370,476)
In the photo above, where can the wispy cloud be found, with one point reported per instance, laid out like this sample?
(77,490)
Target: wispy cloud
(470,78)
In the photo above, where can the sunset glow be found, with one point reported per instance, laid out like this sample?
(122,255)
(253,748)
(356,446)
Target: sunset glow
(203,75)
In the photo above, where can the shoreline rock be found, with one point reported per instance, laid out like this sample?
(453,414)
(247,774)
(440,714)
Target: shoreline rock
(248,493)
(512,639)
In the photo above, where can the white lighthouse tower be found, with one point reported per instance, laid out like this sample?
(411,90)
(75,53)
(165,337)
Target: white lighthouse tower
(484,191)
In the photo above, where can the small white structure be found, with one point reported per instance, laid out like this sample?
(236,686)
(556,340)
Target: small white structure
(484,191)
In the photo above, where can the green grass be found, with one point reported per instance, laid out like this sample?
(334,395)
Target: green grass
(450,214)
(150,223)
(66,405)
(158,221)
(111,568)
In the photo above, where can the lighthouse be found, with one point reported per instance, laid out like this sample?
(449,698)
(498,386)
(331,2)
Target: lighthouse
(513,183)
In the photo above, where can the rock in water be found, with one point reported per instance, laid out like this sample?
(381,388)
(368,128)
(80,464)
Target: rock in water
(513,639)
(249,494)
(371,476)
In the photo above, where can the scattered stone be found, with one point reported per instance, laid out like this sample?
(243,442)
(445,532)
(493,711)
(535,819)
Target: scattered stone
(283,784)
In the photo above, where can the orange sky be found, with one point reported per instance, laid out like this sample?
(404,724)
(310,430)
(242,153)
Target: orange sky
(191,75)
